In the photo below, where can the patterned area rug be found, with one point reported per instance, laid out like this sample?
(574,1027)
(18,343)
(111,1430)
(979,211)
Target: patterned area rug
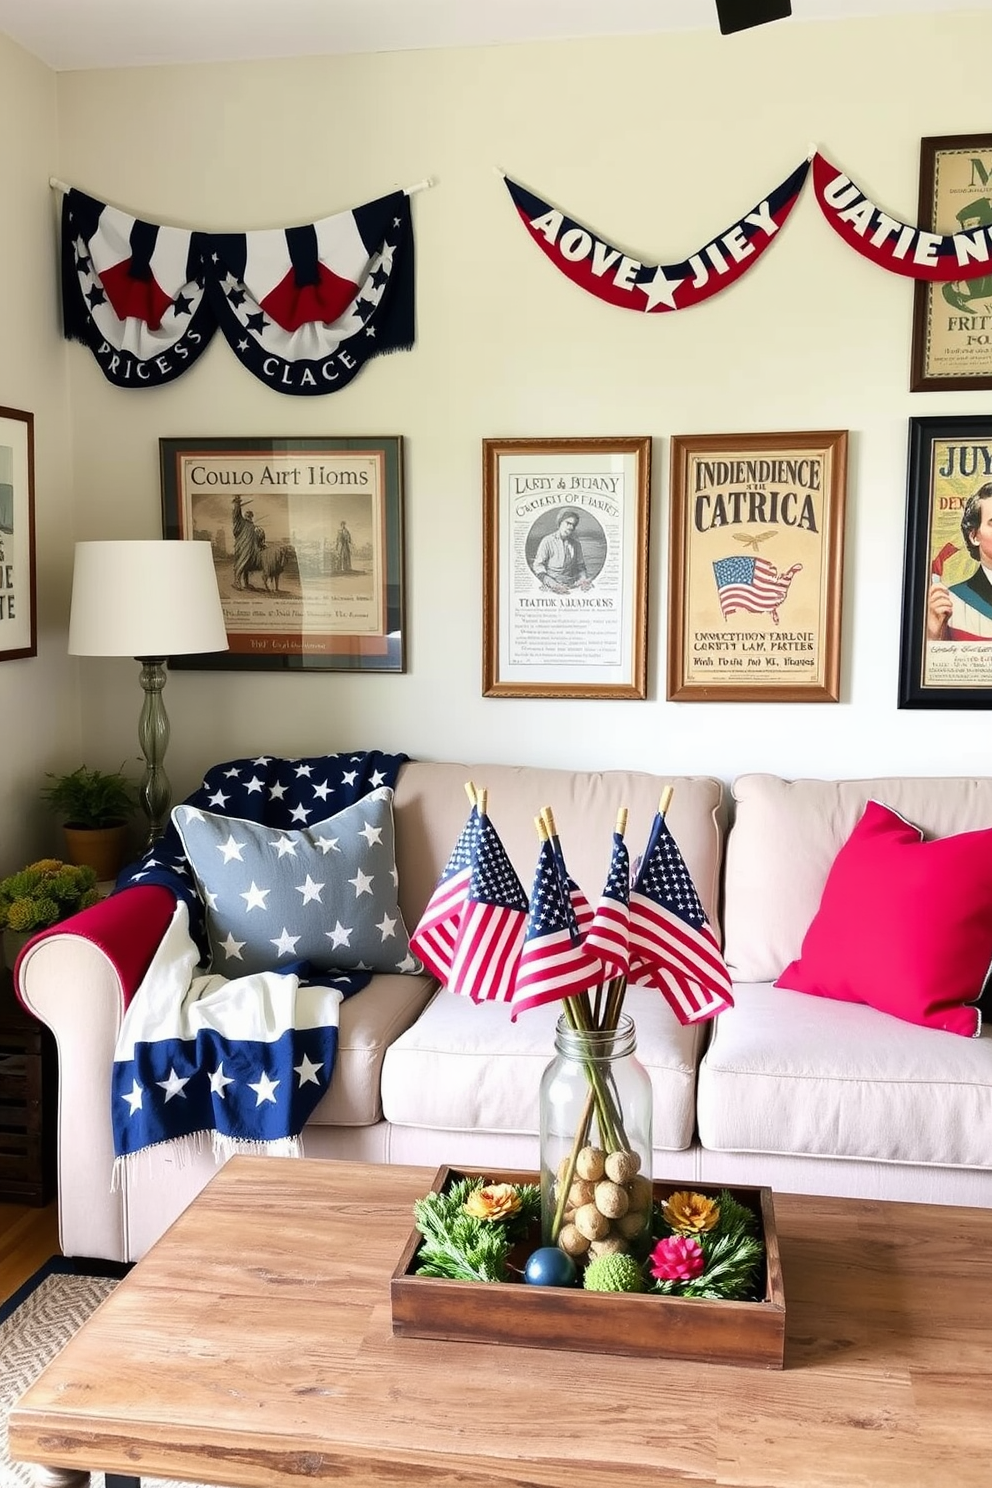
(34,1324)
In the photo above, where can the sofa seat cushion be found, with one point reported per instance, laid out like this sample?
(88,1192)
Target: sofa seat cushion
(800,1076)
(369,1022)
(466,1066)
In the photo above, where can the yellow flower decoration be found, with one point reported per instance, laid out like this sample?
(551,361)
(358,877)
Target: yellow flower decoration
(497,1201)
(690,1213)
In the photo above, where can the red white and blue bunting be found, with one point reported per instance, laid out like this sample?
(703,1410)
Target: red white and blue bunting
(303,308)
(612,274)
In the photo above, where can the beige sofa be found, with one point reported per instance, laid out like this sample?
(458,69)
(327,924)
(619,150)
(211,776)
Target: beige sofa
(796,1092)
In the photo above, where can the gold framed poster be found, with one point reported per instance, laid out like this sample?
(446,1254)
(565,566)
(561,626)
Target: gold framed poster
(565,563)
(952,321)
(755,567)
(307,542)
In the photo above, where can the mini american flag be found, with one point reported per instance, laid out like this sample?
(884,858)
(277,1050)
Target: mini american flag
(554,963)
(491,924)
(752,584)
(434,938)
(609,933)
(672,946)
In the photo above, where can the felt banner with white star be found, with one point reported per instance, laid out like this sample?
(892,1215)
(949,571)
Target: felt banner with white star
(241,1063)
(615,276)
(895,245)
(303,308)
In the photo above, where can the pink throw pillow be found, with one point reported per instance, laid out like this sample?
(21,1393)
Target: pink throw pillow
(903,925)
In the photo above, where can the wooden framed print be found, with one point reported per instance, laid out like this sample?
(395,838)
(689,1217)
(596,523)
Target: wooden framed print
(307,541)
(755,567)
(565,562)
(946,652)
(18,604)
(952,321)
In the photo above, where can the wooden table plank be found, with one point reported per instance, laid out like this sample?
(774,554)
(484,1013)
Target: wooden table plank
(252,1346)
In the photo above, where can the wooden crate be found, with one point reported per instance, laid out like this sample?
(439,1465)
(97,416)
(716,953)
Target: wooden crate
(643,1325)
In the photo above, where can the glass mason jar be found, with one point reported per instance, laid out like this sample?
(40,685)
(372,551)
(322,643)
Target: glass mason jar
(596,1106)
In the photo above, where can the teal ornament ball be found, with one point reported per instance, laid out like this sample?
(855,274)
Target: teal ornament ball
(550,1266)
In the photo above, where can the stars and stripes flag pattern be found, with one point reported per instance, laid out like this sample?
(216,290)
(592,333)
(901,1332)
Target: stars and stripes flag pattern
(608,935)
(434,938)
(554,962)
(491,925)
(672,947)
(303,308)
(752,584)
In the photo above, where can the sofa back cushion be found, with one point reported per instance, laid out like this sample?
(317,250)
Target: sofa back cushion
(431,806)
(784,839)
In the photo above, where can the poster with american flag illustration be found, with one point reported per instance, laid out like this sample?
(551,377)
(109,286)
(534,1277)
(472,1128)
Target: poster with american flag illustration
(756,554)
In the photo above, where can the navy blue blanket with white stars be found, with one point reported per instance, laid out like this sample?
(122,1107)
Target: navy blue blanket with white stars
(241,1063)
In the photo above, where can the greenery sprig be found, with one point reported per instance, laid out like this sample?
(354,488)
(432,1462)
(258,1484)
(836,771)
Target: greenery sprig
(463,1246)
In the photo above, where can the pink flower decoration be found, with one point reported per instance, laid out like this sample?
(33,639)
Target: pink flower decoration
(679,1258)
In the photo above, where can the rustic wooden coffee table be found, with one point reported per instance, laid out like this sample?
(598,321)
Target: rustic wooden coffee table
(252,1346)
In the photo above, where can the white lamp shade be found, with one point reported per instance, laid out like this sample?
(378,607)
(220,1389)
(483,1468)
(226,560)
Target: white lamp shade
(145,599)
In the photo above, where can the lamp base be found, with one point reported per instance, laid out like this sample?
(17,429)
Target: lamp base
(154,790)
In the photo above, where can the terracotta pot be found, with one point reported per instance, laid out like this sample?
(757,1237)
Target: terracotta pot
(101,848)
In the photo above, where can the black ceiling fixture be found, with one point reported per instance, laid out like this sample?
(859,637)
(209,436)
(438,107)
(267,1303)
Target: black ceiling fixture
(741,15)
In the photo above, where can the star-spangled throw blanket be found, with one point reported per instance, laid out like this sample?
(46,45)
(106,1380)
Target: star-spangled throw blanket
(238,1062)
(303,308)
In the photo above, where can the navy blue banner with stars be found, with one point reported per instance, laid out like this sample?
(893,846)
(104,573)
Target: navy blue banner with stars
(303,308)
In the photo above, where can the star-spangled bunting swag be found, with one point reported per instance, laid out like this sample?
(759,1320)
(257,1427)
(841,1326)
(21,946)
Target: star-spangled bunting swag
(672,947)
(238,1063)
(303,308)
(615,276)
(892,244)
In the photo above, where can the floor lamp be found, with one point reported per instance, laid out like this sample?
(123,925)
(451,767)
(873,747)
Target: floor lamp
(149,600)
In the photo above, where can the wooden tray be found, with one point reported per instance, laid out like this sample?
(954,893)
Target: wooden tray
(744,1333)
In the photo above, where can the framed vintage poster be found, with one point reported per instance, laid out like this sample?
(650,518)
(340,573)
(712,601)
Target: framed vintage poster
(757,529)
(952,321)
(18,605)
(946,652)
(565,560)
(307,540)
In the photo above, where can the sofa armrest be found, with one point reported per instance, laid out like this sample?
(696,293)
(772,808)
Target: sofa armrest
(78,978)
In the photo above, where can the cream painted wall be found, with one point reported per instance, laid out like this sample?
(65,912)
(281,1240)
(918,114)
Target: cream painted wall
(39,703)
(659,142)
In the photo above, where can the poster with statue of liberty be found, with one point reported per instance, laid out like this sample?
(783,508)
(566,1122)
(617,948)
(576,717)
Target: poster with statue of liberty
(307,544)
(18,636)
(756,559)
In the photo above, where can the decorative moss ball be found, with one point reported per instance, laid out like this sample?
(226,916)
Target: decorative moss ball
(613,1273)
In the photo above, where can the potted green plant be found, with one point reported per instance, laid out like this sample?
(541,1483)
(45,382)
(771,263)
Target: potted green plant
(40,895)
(96,807)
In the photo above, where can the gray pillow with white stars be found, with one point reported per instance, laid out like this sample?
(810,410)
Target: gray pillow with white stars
(325,893)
